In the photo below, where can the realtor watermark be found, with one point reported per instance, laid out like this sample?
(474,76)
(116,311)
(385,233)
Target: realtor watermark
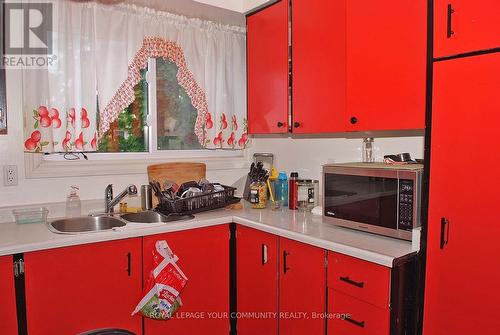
(28,33)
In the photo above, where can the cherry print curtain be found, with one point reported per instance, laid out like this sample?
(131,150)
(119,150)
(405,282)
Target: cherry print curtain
(59,101)
(210,57)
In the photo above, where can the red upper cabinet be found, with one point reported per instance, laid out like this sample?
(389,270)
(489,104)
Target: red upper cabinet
(8,319)
(302,288)
(386,43)
(204,258)
(462,26)
(76,289)
(461,285)
(257,280)
(318,66)
(267,69)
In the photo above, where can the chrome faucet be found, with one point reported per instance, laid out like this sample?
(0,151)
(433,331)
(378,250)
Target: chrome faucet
(110,202)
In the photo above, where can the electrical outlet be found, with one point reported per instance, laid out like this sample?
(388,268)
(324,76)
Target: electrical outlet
(10,175)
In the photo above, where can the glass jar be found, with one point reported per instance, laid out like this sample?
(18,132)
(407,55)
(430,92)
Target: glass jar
(258,194)
(368,156)
(305,195)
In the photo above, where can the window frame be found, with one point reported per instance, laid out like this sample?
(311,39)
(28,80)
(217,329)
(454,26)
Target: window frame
(123,163)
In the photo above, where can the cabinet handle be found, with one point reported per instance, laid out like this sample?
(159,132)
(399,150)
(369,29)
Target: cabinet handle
(354,120)
(280,124)
(296,124)
(354,322)
(129,264)
(264,254)
(285,268)
(348,280)
(445,231)
(449,30)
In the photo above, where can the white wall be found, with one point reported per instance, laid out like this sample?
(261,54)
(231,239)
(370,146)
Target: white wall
(251,4)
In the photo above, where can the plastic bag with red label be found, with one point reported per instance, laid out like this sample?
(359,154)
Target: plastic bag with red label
(166,281)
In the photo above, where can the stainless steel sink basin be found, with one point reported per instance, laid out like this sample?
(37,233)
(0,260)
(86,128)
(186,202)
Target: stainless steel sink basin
(85,224)
(153,217)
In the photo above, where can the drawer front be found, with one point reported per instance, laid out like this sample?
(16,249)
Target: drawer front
(361,279)
(361,318)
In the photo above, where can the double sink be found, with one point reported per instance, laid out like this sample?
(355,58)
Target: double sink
(96,223)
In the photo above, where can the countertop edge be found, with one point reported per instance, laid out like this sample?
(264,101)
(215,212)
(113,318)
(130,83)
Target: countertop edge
(140,230)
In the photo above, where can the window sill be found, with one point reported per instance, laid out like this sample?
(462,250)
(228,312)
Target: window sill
(38,167)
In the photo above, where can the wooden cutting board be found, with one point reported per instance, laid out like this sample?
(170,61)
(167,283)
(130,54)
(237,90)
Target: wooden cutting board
(176,172)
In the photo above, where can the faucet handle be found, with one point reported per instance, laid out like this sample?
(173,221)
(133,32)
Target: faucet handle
(132,189)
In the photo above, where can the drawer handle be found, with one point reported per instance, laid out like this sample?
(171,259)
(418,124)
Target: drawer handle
(356,323)
(348,280)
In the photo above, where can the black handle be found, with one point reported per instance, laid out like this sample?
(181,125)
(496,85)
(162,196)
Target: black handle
(449,30)
(264,254)
(348,280)
(357,323)
(445,231)
(285,268)
(354,120)
(296,124)
(280,124)
(129,264)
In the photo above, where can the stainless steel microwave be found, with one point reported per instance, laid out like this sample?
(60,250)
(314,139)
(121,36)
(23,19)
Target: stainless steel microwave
(373,197)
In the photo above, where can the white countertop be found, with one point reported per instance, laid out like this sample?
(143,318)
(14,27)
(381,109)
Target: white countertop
(295,225)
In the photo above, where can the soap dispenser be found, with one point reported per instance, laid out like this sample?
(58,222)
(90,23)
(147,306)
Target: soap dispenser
(73,203)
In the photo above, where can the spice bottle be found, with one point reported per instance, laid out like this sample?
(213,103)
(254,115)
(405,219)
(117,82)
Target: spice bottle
(292,190)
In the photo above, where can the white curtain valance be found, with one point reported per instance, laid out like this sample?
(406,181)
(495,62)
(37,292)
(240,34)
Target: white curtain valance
(213,58)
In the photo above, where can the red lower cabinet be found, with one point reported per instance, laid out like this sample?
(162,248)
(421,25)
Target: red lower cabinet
(204,258)
(8,319)
(257,282)
(351,316)
(76,289)
(302,289)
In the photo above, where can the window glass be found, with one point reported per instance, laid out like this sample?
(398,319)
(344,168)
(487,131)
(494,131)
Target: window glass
(176,116)
(129,133)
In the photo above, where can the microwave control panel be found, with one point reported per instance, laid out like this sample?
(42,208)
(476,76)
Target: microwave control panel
(406,202)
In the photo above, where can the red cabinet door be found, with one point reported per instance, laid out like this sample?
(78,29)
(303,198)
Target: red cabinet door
(267,69)
(204,258)
(463,26)
(76,289)
(8,319)
(318,66)
(386,64)
(461,294)
(257,281)
(302,289)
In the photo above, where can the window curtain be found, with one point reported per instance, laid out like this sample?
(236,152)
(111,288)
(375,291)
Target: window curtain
(211,59)
(59,101)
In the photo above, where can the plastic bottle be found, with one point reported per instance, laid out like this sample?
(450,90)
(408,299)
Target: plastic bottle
(292,190)
(281,189)
(73,203)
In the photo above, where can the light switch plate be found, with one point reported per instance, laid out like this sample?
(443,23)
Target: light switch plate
(10,175)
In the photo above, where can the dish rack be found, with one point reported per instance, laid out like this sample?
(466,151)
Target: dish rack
(198,203)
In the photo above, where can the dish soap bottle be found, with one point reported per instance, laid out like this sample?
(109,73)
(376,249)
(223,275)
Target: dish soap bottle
(73,203)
